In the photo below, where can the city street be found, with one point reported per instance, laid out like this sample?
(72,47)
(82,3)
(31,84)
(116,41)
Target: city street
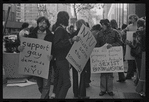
(36,34)
(124,90)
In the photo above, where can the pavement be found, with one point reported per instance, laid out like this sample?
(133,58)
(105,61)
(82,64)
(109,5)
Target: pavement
(31,92)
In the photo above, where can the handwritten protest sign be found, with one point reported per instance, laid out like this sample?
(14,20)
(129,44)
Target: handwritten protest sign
(129,37)
(33,59)
(107,60)
(81,50)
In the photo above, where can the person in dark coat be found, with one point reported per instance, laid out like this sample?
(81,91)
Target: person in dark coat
(42,32)
(62,45)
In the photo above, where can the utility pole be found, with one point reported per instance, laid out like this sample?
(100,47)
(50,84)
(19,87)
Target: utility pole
(6,18)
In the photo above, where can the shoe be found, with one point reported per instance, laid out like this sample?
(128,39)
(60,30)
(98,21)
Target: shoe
(111,93)
(128,78)
(52,96)
(120,80)
(76,97)
(87,97)
(102,93)
(87,85)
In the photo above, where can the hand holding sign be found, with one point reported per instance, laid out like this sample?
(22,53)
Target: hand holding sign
(49,57)
(76,38)
(109,46)
(81,49)
(35,57)
(20,48)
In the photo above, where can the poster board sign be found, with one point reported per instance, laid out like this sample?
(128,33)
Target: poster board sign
(81,50)
(33,59)
(105,60)
(129,37)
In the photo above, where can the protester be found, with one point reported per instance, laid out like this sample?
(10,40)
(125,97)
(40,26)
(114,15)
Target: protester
(24,31)
(95,30)
(114,25)
(54,81)
(87,67)
(42,32)
(131,27)
(79,90)
(112,38)
(136,45)
(124,39)
(62,45)
(71,29)
(142,79)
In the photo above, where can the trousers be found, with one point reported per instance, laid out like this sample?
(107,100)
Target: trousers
(64,82)
(88,72)
(43,86)
(106,82)
(79,90)
(131,68)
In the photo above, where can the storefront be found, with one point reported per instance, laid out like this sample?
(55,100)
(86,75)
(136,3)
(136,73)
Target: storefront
(12,28)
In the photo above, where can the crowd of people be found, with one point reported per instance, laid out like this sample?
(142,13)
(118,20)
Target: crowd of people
(63,37)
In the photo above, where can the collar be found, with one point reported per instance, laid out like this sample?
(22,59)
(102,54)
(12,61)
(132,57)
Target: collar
(39,32)
(63,26)
(107,30)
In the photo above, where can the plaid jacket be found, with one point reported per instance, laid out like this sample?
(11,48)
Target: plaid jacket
(110,36)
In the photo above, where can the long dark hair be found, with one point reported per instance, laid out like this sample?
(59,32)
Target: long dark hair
(105,22)
(113,24)
(62,18)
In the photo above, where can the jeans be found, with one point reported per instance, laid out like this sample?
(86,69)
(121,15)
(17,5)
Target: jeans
(64,82)
(43,86)
(106,82)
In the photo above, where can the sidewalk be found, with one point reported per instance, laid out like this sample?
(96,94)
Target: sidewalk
(31,92)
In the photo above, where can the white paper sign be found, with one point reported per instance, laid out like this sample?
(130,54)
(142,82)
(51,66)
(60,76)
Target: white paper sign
(81,50)
(105,61)
(33,59)
(129,37)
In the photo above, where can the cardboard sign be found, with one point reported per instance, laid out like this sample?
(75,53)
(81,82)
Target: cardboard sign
(129,38)
(33,59)
(81,50)
(105,60)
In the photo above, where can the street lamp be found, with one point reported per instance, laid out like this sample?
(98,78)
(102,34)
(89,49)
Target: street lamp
(9,7)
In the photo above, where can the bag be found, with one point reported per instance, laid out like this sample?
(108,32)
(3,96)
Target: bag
(136,51)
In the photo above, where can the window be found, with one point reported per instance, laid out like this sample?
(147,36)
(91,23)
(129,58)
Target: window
(3,15)
(12,16)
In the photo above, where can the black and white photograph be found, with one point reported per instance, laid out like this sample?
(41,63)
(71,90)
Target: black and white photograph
(74,50)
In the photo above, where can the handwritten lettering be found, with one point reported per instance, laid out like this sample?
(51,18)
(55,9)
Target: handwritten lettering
(34,53)
(32,61)
(109,61)
(34,46)
(32,71)
(71,58)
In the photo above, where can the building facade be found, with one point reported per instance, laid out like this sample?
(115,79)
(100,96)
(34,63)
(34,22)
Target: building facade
(18,12)
(12,14)
(121,11)
(12,26)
